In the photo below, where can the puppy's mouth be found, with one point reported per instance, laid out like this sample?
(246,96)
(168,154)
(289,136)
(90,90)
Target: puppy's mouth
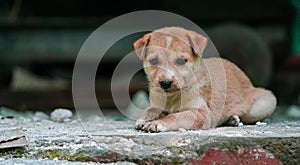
(166,91)
(171,90)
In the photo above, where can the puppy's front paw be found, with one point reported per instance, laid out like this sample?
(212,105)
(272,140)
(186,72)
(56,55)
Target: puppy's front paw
(151,114)
(155,126)
(139,124)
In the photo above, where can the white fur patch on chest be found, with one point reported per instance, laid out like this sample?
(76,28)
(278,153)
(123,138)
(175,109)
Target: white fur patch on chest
(168,41)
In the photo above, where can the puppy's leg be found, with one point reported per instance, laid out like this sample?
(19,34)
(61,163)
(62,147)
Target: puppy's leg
(151,114)
(190,120)
(263,105)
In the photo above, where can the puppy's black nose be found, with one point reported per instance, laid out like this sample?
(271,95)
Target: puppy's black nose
(166,84)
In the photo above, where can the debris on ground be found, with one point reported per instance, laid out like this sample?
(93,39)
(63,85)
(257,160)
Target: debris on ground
(12,138)
(260,123)
(41,115)
(22,161)
(61,115)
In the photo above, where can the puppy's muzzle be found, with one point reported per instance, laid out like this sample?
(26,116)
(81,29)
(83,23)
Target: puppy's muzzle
(166,84)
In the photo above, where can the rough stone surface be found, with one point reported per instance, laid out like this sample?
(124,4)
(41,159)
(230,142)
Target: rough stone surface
(61,115)
(22,161)
(106,141)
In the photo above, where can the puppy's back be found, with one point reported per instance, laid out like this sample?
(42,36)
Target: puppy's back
(220,68)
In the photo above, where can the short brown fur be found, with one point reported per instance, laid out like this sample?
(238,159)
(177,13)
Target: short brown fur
(204,94)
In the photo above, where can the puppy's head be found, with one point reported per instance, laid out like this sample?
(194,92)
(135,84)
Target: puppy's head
(171,57)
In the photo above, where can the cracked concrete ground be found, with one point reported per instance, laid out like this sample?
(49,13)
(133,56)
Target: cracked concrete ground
(108,141)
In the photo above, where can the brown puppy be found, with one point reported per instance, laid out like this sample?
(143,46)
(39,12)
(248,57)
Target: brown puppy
(189,92)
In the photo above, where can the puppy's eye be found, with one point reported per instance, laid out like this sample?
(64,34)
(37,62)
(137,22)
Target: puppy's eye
(181,61)
(154,61)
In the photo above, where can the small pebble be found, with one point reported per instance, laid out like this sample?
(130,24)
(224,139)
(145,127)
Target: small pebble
(67,120)
(61,115)
(35,119)
(261,123)
(77,141)
(51,127)
(41,115)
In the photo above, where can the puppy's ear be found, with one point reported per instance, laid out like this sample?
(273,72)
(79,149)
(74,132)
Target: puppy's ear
(140,45)
(198,43)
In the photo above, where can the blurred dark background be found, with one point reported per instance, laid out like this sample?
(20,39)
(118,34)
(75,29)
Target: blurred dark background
(39,42)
